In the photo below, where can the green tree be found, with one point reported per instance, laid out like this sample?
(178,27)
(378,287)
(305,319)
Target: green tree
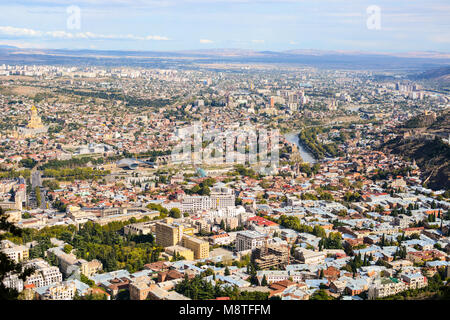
(321,294)
(175,213)
(264,281)
(68,248)
(38,196)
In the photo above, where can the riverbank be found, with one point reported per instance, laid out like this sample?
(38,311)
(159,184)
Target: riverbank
(307,156)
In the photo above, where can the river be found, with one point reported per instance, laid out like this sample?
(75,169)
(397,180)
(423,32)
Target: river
(307,156)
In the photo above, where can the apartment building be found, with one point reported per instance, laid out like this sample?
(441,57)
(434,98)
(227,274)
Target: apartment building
(13,251)
(88,268)
(308,256)
(222,197)
(140,288)
(168,235)
(220,239)
(249,240)
(182,251)
(198,246)
(385,287)
(194,204)
(64,291)
(44,275)
(14,282)
(66,261)
(146,289)
(271,256)
(414,280)
(278,275)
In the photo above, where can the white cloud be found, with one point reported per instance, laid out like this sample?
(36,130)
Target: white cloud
(258,41)
(156,38)
(206,41)
(12,31)
(23,32)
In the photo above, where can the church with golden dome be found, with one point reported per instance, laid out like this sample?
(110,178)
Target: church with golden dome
(34,126)
(35,120)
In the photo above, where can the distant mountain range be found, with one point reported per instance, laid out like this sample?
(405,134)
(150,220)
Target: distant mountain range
(408,61)
(441,75)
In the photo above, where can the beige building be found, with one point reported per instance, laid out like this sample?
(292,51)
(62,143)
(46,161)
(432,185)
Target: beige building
(142,228)
(14,215)
(14,252)
(388,286)
(308,256)
(398,264)
(140,288)
(182,251)
(143,288)
(168,235)
(64,291)
(88,268)
(198,246)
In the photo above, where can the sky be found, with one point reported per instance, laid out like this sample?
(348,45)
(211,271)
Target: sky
(275,25)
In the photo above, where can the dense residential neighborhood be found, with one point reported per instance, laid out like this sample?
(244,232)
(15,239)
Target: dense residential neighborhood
(325,208)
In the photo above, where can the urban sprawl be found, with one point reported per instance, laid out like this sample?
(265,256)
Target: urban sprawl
(326,207)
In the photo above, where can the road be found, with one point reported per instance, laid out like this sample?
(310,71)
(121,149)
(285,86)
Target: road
(36,179)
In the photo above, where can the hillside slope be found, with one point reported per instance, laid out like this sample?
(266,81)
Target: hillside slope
(432,156)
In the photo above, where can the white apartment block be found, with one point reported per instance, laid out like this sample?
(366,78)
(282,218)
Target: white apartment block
(249,240)
(387,287)
(414,280)
(384,288)
(222,197)
(13,282)
(228,212)
(196,203)
(278,275)
(220,239)
(44,275)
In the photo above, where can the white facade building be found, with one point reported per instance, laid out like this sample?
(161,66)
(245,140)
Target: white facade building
(44,275)
(249,240)
(196,203)
(222,197)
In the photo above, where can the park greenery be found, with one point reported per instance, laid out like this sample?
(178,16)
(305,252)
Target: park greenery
(70,163)
(75,174)
(26,173)
(92,241)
